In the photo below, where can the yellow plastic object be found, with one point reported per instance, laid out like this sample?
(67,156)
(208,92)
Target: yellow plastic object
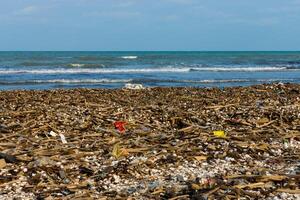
(220,134)
(118,152)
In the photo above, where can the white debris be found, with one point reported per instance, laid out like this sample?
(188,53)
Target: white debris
(133,86)
(52,133)
(63,139)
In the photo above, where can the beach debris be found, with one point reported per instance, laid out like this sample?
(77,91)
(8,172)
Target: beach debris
(3,129)
(8,158)
(120,126)
(118,152)
(52,133)
(43,162)
(63,138)
(2,163)
(200,158)
(133,86)
(157,143)
(220,134)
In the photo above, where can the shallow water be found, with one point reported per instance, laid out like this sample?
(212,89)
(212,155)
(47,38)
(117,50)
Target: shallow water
(46,70)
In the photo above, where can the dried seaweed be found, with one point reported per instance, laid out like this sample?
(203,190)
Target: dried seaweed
(179,143)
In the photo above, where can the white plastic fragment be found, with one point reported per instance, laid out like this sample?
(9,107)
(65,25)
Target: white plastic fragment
(52,133)
(133,86)
(63,139)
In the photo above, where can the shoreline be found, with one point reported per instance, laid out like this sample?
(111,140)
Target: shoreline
(123,87)
(64,143)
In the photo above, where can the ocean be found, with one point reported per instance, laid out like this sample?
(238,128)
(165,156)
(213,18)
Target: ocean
(58,69)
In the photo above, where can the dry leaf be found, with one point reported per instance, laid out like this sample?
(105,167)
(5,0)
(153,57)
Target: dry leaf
(2,163)
(262,121)
(200,158)
(251,185)
(196,186)
(118,151)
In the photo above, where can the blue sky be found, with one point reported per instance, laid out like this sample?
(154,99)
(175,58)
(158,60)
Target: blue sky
(149,25)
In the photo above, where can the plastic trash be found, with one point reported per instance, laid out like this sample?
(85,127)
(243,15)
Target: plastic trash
(63,138)
(118,152)
(134,86)
(52,133)
(220,134)
(120,126)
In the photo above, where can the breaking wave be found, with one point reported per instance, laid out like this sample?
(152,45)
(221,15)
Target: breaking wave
(146,70)
(242,69)
(84,65)
(94,71)
(76,65)
(237,80)
(129,57)
(69,81)
(141,81)
(208,81)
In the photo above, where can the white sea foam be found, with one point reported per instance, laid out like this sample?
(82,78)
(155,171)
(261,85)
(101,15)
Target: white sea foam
(145,70)
(129,57)
(234,80)
(93,71)
(71,81)
(76,65)
(98,81)
(84,81)
(241,69)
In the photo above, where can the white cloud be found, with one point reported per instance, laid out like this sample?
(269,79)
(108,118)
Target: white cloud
(124,3)
(171,18)
(27,10)
(256,22)
(114,14)
(181,1)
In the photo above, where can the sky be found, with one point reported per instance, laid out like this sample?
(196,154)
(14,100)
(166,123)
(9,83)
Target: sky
(146,25)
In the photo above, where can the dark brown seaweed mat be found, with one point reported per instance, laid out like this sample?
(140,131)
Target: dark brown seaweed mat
(63,144)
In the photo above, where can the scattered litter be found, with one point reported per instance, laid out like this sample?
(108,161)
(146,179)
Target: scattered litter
(2,163)
(118,151)
(220,134)
(134,86)
(52,133)
(8,158)
(173,147)
(120,126)
(63,138)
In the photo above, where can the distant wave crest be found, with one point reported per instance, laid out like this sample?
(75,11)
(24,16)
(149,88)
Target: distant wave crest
(210,81)
(241,69)
(129,57)
(76,65)
(141,81)
(68,81)
(93,71)
(144,70)
(85,65)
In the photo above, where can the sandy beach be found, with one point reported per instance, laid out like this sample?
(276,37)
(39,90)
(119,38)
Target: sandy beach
(152,143)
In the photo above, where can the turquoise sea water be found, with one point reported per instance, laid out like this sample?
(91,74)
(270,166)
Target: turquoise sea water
(46,70)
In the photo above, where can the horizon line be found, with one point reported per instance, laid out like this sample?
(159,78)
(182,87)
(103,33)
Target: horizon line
(149,50)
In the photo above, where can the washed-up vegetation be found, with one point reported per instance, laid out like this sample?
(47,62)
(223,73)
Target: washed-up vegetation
(153,143)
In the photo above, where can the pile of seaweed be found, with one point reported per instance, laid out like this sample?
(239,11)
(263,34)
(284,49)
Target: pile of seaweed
(152,143)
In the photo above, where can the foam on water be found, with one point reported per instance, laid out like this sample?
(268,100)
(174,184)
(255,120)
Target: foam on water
(145,70)
(93,71)
(76,65)
(96,81)
(42,70)
(241,69)
(69,81)
(129,57)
